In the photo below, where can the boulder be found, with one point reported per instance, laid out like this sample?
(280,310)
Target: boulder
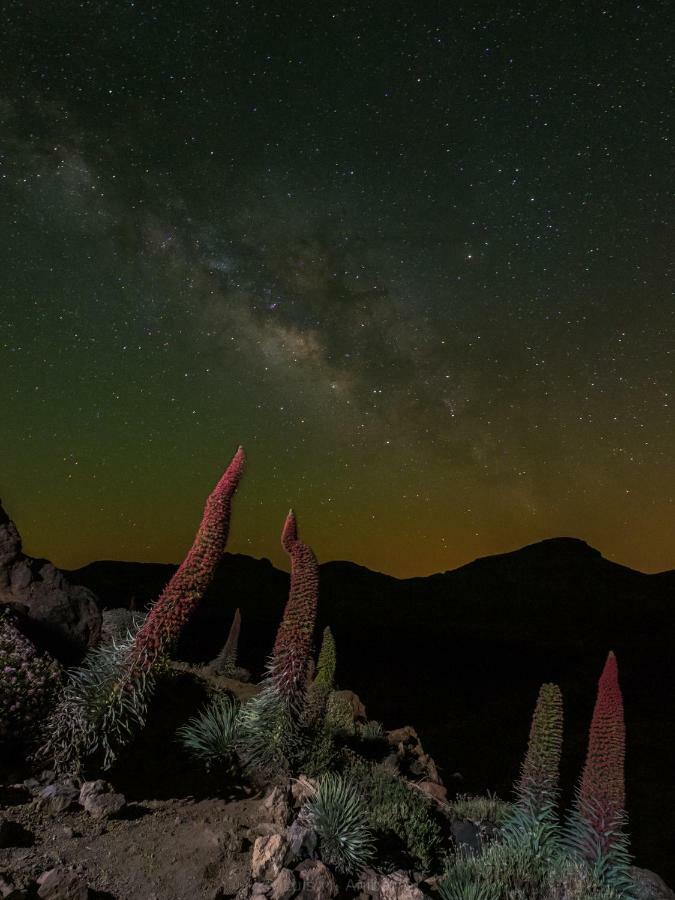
(59,796)
(467,836)
(277,806)
(412,760)
(62,618)
(100,800)
(9,891)
(58,884)
(650,886)
(268,857)
(283,886)
(301,840)
(398,886)
(317,881)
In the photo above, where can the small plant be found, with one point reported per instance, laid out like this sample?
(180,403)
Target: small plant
(461,882)
(321,686)
(226,661)
(371,731)
(211,736)
(482,810)
(28,684)
(340,818)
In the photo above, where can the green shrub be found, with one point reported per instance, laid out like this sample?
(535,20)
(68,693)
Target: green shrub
(483,810)
(395,809)
(28,684)
(511,872)
(340,818)
(211,736)
(339,716)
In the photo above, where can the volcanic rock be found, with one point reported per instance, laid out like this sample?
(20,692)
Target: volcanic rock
(61,617)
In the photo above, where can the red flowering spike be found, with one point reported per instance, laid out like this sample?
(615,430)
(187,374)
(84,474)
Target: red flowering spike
(294,638)
(602,781)
(184,592)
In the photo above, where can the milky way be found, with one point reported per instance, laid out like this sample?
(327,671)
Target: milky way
(416,264)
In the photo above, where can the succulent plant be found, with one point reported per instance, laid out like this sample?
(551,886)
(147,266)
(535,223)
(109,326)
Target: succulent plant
(340,818)
(211,736)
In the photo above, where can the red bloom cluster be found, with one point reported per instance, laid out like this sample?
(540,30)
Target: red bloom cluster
(602,793)
(183,593)
(293,643)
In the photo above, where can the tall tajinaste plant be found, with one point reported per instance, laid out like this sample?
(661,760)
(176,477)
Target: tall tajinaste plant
(533,822)
(270,735)
(106,699)
(293,643)
(595,830)
(183,593)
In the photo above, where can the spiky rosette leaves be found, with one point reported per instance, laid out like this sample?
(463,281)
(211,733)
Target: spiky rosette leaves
(211,736)
(340,818)
(595,830)
(293,643)
(89,718)
(185,590)
(269,738)
(321,686)
(226,661)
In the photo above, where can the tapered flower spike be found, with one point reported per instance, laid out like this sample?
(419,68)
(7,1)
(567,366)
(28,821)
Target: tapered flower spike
(595,830)
(293,642)
(321,686)
(184,592)
(226,661)
(540,772)
(602,780)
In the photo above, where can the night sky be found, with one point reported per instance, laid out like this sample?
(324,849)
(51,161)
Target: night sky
(416,258)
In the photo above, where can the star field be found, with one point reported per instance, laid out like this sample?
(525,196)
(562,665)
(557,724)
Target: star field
(417,260)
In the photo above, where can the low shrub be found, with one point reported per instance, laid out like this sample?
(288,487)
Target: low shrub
(29,682)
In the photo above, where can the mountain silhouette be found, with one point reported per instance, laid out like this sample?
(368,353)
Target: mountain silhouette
(461,655)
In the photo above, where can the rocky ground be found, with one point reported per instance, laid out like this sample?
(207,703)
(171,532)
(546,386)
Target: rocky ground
(64,841)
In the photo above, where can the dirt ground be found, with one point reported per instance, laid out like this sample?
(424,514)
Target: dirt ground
(175,849)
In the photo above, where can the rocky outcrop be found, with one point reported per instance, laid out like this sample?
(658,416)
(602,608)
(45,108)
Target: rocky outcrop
(60,617)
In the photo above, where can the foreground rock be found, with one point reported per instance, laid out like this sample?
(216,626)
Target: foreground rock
(62,618)
(57,884)
(100,799)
